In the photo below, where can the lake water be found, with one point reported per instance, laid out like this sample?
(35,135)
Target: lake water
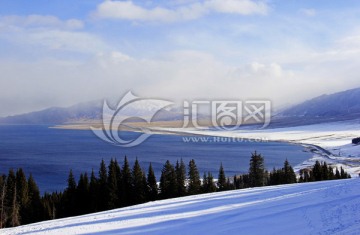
(49,153)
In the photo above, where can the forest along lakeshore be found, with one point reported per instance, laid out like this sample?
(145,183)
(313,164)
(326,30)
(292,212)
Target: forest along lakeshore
(114,187)
(49,153)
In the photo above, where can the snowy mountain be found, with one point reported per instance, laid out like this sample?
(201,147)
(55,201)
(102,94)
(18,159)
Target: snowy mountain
(343,104)
(87,112)
(339,106)
(326,207)
(58,115)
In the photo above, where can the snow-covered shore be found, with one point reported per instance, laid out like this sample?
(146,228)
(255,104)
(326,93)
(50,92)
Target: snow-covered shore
(334,137)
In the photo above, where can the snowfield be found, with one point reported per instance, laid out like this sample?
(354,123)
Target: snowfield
(327,207)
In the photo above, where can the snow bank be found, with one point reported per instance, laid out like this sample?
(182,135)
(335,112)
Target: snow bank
(334,137)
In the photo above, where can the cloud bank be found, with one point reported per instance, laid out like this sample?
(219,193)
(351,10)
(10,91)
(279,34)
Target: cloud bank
(127,10)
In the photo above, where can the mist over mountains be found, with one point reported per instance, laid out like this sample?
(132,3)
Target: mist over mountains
(341,104)
(338,106)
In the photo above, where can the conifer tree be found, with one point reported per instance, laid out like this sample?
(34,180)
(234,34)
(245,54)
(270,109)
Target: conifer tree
(22,194)
(152,188)
(208,185)
(194,186)
(331,175)
(70,196)
(204,185)
(14,216)
(103,189)
(94,192)
(82,195)
(180,170)
(343,174)
(3,216)
(211,187)
(35,207)
(324,171)
(126,183)
(119,182)
(112,186)
(221,183)
(9,197)
(289,176)
(317,171)
(337,174)
(256,170)
(168,182)
(138,184)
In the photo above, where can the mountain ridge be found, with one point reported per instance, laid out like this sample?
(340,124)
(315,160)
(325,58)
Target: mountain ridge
(341,105)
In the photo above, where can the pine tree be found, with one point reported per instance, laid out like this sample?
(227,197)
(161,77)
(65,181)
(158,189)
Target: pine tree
(331,175)
(168,182)
(82,195)
(14,216)
(70,196)
(257,170)
(22,194)
(103,189)
(119,182)
(221,183)
(35,207)
(289,176)
(343,174)
(3,216)
(337,174)
(208,185)
(152,187)
(112,186)
(138,184)
(194,186)
(324,171)
(9,197)
(71,182)
(126,183)
(317,171)
(180,170)
(94,192)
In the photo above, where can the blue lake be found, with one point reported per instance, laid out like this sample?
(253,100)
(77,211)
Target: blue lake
(49,153)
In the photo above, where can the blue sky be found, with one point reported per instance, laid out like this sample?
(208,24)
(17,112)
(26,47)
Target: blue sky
(58,53)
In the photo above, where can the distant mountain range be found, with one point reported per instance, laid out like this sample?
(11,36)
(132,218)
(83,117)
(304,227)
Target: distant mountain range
(343,105)
(86,112)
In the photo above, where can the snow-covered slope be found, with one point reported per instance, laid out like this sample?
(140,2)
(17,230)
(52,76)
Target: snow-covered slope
(328,207)
(344,103)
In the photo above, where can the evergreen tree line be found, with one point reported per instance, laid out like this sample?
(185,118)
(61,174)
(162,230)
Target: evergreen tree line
(115,186)
(321,171)
(20,201)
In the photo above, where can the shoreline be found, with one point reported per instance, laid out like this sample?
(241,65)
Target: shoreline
(319,151)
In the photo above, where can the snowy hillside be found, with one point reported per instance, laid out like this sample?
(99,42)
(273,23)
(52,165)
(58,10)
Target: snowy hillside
(343,103)
(327,207)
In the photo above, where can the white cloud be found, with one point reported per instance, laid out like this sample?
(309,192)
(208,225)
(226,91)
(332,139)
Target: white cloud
(256,70)
(127,10)
(308,11)
(242,7)
(49,32)
(40,21)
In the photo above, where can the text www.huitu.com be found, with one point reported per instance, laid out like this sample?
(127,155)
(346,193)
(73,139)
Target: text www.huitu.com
(217,139)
